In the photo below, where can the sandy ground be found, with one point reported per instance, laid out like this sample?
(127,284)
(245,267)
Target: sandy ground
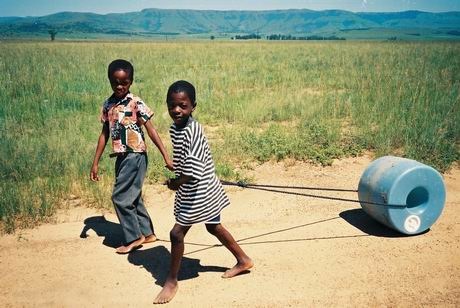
(307,252)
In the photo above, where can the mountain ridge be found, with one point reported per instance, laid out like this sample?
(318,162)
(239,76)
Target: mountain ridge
(150,22)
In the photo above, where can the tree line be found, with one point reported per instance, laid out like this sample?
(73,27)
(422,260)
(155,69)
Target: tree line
(287,37)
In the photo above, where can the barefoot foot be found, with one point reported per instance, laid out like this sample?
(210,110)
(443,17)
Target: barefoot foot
(150,238)
(132,246)
(167,293)
(239,268)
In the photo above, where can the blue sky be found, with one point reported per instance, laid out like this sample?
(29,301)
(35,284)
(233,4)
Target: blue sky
(45,7)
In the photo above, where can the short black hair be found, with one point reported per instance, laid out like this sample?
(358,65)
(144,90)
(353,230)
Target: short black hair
(123,65)
(182,86)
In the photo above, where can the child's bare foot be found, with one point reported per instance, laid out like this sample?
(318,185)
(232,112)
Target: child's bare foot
(150,239)
(167,293)
(239,268)
(132,246)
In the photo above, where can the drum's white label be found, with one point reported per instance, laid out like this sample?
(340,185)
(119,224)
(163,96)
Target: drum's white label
(412,223)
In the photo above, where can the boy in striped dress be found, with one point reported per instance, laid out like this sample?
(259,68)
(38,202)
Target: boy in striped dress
(199,194)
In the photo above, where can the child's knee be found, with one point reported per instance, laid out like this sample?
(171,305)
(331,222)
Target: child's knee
(213,228)
(176,236)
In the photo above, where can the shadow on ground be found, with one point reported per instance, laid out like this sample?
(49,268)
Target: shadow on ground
(156,261)
(361,220)
(112,232)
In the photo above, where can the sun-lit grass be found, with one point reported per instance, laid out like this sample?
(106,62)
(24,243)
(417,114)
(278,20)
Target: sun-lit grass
(257,100)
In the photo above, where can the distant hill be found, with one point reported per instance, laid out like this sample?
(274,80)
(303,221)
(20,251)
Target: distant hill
(204,23)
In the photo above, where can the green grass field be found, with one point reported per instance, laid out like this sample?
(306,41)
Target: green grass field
(258,101)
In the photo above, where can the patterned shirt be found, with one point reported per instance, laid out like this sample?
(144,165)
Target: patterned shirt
(203,198)
(125,117)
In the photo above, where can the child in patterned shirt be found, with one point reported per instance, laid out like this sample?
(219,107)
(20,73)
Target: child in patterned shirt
(122,117)
(199,194)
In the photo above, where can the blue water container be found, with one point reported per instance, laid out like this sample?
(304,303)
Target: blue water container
(402,194)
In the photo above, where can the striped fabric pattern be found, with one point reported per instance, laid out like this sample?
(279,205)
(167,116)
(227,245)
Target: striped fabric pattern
(203,198)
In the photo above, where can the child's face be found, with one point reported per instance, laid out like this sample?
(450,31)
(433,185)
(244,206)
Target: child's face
(180,108)
(120,82)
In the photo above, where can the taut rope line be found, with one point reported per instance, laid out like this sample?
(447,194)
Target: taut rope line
(269,188)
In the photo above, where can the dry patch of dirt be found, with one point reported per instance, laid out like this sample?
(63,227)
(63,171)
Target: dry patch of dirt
(307,252)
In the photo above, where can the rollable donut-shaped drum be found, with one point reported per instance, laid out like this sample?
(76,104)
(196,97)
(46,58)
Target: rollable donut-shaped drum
(402,194)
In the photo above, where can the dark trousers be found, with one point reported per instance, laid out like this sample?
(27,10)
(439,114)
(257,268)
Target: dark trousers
(130,170)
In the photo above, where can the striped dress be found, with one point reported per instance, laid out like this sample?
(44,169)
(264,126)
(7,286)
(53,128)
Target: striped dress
(202,199)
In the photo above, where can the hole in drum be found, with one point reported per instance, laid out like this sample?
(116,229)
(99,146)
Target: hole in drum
(417,199)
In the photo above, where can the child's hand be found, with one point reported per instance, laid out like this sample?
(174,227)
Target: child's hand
(169,164)
(93,174)
(173,184)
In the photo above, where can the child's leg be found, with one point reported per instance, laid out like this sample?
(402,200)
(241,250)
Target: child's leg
(130,172)
(143,217)
(243,262)
(145,223)
(176,235)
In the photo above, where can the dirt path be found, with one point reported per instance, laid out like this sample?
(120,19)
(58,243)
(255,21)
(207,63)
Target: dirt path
(307,252)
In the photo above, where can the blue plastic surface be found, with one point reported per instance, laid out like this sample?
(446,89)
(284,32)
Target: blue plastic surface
(402,194)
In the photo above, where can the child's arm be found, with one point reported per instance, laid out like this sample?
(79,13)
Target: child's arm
(151,131)
(101,142)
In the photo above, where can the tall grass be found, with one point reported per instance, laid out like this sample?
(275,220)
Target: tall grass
(258,101)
